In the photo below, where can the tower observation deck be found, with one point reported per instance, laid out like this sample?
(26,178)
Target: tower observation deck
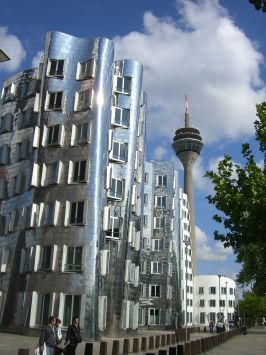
(187,144)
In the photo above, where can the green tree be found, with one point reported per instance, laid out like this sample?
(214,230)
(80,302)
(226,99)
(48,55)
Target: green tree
(252,308)
(240,197)
(259,4)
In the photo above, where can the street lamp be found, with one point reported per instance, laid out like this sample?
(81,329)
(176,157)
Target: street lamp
(187,243)
(219,298)
(226,306)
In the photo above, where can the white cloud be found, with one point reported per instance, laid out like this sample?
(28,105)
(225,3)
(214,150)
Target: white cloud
(159,152)
(13,47)
(205,55)
(36,59)
(207,251)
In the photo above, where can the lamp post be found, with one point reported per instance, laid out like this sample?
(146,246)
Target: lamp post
(219,297)
(187,243)
(226,306)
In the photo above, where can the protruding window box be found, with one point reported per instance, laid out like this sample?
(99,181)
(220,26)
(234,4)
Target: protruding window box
(54,101)
(120,117)
(122,85)
(119,152)
(83,100)
(86,69)
(56,68)
(116,189)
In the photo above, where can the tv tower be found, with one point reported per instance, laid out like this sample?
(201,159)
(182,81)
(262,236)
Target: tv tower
(187,144)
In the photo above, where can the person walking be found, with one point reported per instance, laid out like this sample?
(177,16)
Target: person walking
(48,337)
(58,348)
(73,337)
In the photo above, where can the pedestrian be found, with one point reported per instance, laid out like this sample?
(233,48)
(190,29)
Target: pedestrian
(58,349)
(48,337)
(73,337)
(211,326)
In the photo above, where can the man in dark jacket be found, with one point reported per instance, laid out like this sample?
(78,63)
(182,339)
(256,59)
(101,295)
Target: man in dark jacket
(48,337)
(73,337)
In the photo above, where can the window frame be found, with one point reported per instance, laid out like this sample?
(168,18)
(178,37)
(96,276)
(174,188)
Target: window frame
(123,122)
(56,74)
(55,106)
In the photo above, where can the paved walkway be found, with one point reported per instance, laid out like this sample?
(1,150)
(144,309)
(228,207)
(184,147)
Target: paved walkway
(254,343)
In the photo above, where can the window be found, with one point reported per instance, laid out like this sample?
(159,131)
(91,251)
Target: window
(83,100)
(146,178)
(3,189)
(50,215)
(71,308)
(26,261)
(116,190)
(86,70)
(231,290)
(212,290)
(146,197)
(4,154)
(6,123)
(9,93)
(159,223)
(113,232)
(80,134)
(213,316)
(120,117)
(56,67)
(27,118)
(202,303)
(160,201)
(212,303)
(143,265)
(22,150)
(223,290)
(154,316)
(119,151)
(155,291)
(53,135)
(161,180)
(157,244)
(51,173)
(123,85)
(46,258)
(77,171)
(43,308)
(73,259)
(222,303)
(156,267)
(230,303)
(54,100)
(77,213)
(202,318)
(145,221)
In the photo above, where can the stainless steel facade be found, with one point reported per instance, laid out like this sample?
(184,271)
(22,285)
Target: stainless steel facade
(160,304)
(79,253)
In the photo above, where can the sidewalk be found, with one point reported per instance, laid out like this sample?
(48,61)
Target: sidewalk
(254,343)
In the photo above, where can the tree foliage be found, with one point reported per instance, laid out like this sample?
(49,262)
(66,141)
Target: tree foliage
(252,308)
(259,4)
(240,197)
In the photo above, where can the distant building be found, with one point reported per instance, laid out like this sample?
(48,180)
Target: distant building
(214,299)
(71,154)
(159,256)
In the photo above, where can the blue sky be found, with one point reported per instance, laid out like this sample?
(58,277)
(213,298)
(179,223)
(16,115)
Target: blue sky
(212,50)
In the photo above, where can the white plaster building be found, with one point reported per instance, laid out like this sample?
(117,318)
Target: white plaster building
(185,260)
(214,295)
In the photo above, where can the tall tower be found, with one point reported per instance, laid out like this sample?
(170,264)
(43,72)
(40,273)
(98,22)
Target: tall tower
(187,145)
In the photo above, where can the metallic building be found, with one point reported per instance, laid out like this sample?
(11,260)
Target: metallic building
(159,257)
(77,253)
(187,145)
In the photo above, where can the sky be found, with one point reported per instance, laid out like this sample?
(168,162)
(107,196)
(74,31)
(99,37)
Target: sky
(212,50)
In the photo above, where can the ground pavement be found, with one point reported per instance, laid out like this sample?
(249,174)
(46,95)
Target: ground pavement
(254,343)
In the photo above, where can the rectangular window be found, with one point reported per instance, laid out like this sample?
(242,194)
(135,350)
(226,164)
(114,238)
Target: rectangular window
(50,173)
(76,213)
(86,70)
(202,303)
(50,215)
(43,308)
(53,135)
(155,291)
(79,171)
(56,67)
(157,244)
(146,178)
(159,223)
(146,199)
(202,318)
(84,100)
(71,308)
(116,190)
(73,259)
(212,290)
(80,134)
(231,290)
(161,180)
(6,123)
(120,117)
(154,316)
(212,303)
(119,151)
(145,221)
(230,303)
(160,201)
(213,316)
(54,100)
(4,154)
(222,303)
(123,85)
(156,267)
(113,231)
(46,258)
(223,290)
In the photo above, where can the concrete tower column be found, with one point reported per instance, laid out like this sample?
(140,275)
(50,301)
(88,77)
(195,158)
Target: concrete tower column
(187,145)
